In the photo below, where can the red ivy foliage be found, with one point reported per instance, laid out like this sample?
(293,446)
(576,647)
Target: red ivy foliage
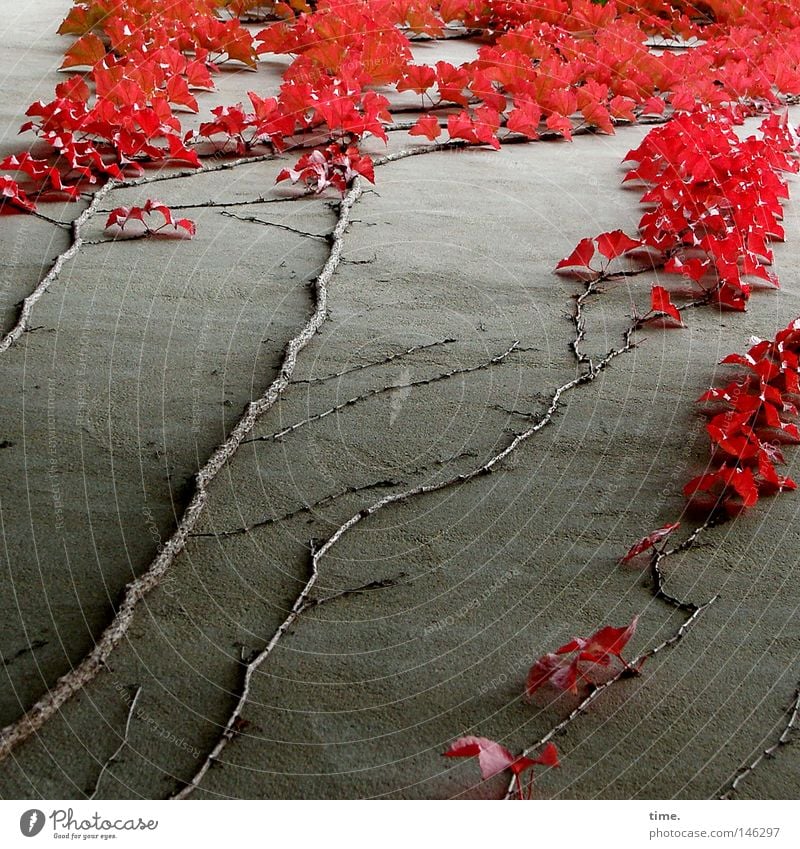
(713,207)
(649,542)
(577,660)
(494,759)
(548,67)
(333,166)
(122,215)
(749,420)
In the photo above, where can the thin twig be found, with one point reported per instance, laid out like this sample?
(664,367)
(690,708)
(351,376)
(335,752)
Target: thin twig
(123,743)
(382,584)
(792,715)
(65,225)
(211,204)
(306,508)
(388,359)
(329,499)
(660,554)
(579,323)
(253,220)
(372,393)
(453,144)
(161,177)
(301,604)
(230,729)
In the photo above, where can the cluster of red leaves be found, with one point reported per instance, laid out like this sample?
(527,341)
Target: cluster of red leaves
(713,207)
(142,59)
(122,215)
(581,659)
(494,759)
(334,166)
(611,246)
(548,66)
(750,419)
(714,200)
(558,64)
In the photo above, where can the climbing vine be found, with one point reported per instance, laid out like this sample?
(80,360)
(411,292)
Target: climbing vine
(543,70)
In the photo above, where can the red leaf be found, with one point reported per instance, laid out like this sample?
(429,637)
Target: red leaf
(616,243)
(418,78)
(548,756)
(10,192)
(553,669)
(492,757)
(564,673)
(180,153)
(452,82)
(74,88)
(122,215)
(580,257)
(745,485)
(86,52)
(188,225)
(428,126)
(525,119)
(649,541)
(660,302)
(608,642)
(178,92)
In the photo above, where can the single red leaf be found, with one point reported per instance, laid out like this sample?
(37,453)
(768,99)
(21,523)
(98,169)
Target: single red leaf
(418,78)
(525,119)
(580,257)
(553,669)
(660,303)
(548,756)
(616,243)
(608,642)
(188,225)
(86,52)
(492,757)
(649,541)
(428,126)
(10,192)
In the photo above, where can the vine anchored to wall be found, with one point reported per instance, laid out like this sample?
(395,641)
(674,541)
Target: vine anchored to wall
(553,69)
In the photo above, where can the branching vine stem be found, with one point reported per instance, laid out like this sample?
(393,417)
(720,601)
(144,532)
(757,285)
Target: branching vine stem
(389,358)
(627,671)
(301,604)
(94,662)
(91,665)
(382,390)
(790,725)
